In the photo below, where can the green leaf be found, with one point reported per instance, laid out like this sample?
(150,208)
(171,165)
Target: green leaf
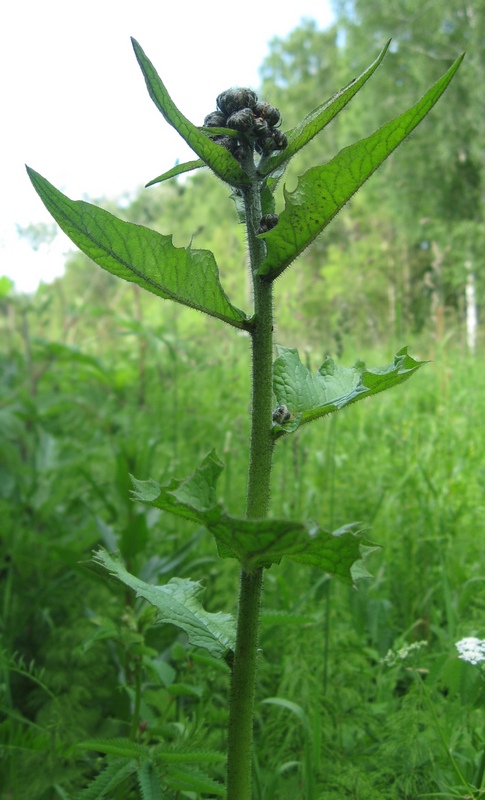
(124,748)
(180,756)
(255,543)
(115,773)
(149,782)
(295,708)
(215,156)
(141,255)
(309,396)
(191,497)
(178,169)
(178,604)
(190,779)
(317,120)
(322,191)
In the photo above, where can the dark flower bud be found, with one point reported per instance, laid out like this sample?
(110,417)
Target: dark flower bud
(235,99)
(279,139)
(215,120)
(261,128)
(265,144)
(229,142)
(281,414)
(241,120)
(269,113)
(267,222)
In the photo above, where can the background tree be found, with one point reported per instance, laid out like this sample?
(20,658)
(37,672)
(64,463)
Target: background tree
(432,229)
(436,191)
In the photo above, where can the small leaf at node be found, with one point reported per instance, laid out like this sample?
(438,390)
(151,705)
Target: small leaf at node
(178,169)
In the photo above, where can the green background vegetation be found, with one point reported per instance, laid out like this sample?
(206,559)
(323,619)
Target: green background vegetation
(100,380)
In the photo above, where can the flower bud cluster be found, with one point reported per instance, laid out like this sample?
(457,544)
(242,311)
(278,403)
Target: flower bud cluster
(256,123)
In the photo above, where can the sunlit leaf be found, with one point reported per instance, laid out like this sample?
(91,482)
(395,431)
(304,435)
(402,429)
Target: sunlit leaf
(322,191)
(215,156)
(317,120)
(309,396)
(141,255)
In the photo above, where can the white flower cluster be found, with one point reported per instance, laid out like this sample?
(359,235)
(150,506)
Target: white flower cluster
(471,649)
(393,657)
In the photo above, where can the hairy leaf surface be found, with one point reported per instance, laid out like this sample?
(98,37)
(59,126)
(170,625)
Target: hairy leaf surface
(255,543)
(140,255)
(178,603)
(322,191)
(333,387)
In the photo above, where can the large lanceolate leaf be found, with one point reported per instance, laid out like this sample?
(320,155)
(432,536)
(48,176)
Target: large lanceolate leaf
(322,191)
(308,396)
(178,604)
(141,255)
(256,543)
(215,156)
(318,119)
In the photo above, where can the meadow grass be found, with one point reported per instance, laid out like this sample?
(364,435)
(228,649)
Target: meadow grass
(408,464)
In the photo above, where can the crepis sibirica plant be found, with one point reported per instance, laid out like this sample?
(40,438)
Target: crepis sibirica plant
(243,143)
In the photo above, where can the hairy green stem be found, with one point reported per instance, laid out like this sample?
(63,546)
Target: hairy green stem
(241,704)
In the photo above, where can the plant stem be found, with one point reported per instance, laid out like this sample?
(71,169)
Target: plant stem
(241,703)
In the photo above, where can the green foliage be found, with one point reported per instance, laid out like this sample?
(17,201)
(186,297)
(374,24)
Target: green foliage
(255,543)
(309,397)
(177,604)
(76,416)
(417,478)
(391,262)
(316,121)
(216,157)
(322,191)
(141,255)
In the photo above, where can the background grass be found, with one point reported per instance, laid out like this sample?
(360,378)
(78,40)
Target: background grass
(152,399)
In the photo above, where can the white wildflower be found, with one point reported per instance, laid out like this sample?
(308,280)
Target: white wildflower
(394,657)
(471,649)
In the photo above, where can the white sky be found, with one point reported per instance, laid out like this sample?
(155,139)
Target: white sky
(76,109)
